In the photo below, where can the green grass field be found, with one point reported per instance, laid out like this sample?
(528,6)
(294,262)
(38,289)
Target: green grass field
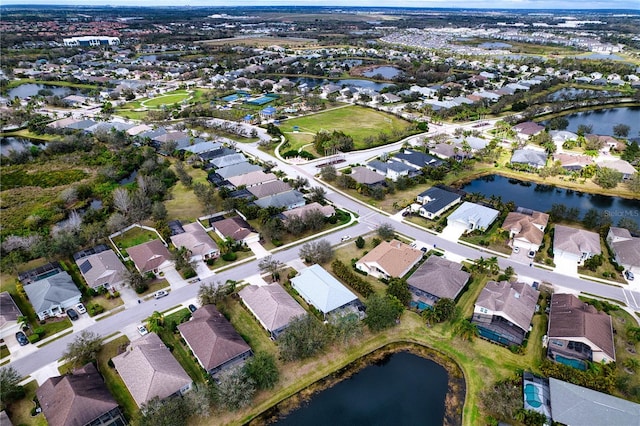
(134,237)
(166,99)
(356,121)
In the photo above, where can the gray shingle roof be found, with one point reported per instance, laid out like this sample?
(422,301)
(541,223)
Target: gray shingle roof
(51,291)
(439,277)
(529,156)
(575,241)
(365,176)
(102,268)
(517,301)
(237,170)
(439,199)
(273,306)
(575,405)
(283,199)
(269,188)
(8,309)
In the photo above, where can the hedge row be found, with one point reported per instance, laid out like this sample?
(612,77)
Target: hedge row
(346,274)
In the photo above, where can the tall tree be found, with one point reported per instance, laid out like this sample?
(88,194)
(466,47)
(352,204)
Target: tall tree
(9,388)
(399,288)
(316,251)
(386,231)
(382,312)
(83,349)
(272,266)
(304,337)
(262,369)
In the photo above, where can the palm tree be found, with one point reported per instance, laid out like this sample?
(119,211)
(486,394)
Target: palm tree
(631,364)
(467,330)
(23,322)
(155,322)
(492,265)
(480,264)
(429,315)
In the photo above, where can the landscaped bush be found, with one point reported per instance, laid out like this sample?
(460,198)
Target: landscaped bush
(188,273)
(230,256)
(346,274)
(95,309)
(33,338)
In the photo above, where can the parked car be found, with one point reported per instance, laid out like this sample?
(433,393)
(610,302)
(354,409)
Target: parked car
(193,308)
(22,338)
(406,213)
(345,238)
(142,330)
(516,250)
(81,309)
(423,249)
(628,275)
(72,314)
(160,293)
(531,254)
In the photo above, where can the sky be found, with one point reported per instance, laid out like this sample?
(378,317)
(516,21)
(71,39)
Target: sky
(483,4)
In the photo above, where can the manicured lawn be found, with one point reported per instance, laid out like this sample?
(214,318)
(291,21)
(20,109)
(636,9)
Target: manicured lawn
(4,351)
(356,121)
(155,285)
(349,251)
(494,236)
(166,99)
(133,237)
(113,380)
(247,326)
(20,411)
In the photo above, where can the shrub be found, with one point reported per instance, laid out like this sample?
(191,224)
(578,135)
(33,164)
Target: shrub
(188,273)
(39,330)
(230,256)
(95,309)
(34,338)
(211,261)
(346,274)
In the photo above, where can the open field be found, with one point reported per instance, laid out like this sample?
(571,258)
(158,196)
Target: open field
(262,41)
(355,121)
(166,99)
(183,204)
(134,237)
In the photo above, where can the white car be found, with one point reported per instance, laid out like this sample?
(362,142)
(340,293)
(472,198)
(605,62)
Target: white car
(160,293)
(142,330)
(81,309)
(345,238)
(516,250)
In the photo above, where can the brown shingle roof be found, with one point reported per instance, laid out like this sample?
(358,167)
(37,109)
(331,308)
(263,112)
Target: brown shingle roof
(148,369)
(75,399)
(212,338)
(394,257)
(440,277)
(365,176)
(148,256)
(570,317)
(269,188)
(517,301)
(524,225)
(8,309)
(234,227)
(195,239)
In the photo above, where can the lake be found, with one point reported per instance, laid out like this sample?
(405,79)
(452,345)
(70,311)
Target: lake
(402,389)
(541,197)
(385,72)
(603,120)
(17,145)
(494,45)
(31,89)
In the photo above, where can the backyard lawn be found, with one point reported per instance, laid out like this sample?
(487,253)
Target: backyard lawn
(20,411)
(355,121)
(134,237)
(112,379)
(166,99)
(183,204)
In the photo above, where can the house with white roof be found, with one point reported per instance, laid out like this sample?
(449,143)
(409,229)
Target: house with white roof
(471,217)
(320,289)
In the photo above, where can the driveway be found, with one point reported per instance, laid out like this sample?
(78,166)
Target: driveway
(258,250)
(173,278)
(565,266)
(452,232)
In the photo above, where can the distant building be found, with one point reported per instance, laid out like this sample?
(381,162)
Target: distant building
(91,41)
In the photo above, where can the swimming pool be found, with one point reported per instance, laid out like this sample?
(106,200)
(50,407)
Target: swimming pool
(580,365)
(532,396)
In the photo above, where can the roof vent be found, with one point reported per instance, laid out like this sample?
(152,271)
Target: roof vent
(517,295)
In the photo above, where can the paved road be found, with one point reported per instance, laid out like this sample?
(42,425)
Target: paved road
(369,219)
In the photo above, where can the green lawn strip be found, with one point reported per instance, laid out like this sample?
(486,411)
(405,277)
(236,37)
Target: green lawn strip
(625,350)
(494,238)
(182,353)
(20,411)
(112,379)
(4,351)
(133,237)
(247,326)
(112,312)
(25,133)
(57,337)
(165,99)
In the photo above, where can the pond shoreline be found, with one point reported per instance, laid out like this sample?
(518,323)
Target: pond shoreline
(454,399)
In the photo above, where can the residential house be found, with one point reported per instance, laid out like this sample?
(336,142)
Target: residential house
(237,229)
(228,160)
(9,313)
(150,256)
(526,228)
(237,170)
(217,152)
(213,340)
(577,332)
(435,201)
(254,178)
(572,162)
(504,310)
(626,248)
(576,405)
(101,267)
(389,259)
(529,157)
(575,245)
(473,142)
(562,136)
(286,200)
(365,176)
(149,370)
(272,306)
(527,129)
(269,188)
(390,169)
(320,289)
(327,211)
(447,150)
(80,398)
(196,240)
(621,166)
(607,142)
(417,159)
(437,278)
(51,295)
(471,217)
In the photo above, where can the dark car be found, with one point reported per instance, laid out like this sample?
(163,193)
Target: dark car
(22,338)
(72,314)
(628,275)
(193,308)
